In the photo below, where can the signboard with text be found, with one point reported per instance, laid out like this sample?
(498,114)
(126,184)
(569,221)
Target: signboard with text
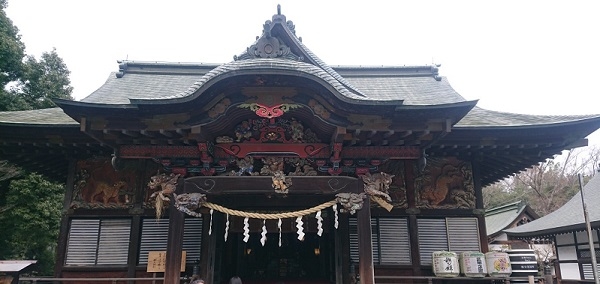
(157,260)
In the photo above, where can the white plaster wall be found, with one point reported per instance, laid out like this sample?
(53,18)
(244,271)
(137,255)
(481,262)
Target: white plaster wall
(502,237)
(567,253)
(570,271)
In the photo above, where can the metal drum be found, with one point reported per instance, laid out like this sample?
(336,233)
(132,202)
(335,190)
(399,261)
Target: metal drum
(472,264)
(498,264)
(445,264)
(523,262)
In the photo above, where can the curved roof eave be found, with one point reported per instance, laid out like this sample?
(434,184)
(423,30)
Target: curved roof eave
(267,66)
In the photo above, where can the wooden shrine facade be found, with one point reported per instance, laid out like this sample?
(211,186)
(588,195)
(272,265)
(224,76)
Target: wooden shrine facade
(275,167)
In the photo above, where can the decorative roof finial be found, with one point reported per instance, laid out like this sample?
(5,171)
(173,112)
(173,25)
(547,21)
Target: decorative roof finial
(278,9)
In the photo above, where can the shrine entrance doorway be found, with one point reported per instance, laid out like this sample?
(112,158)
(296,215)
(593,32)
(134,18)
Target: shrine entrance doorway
(296,261)
(284,258)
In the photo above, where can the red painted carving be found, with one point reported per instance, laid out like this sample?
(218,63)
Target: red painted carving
(179,170)
(334,171)
(301,150)
(140,152)
(269,112)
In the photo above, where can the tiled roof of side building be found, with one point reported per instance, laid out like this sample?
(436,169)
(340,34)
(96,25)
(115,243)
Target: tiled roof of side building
(567,218)
(501,217)
(479,117)
(39,117)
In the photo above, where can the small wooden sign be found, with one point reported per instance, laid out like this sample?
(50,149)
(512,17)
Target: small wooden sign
(382,203)
(157,260)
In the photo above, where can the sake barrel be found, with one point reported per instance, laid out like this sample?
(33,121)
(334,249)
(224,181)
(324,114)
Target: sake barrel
(445,264)
(523,262)
(498,264)
(472,264)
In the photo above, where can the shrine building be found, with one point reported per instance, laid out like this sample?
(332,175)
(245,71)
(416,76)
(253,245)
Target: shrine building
(275,167)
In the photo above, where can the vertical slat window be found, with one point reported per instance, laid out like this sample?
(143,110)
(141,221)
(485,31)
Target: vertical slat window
(154,237)
(82,242)
(192,239)
(588,273)
(353,236)
(463,234)
(98,242)
(432,237)
(389,239)
(113,244)
(375,241)
(155,234)
(394,241)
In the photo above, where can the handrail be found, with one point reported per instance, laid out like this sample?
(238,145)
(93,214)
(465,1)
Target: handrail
(381,277)
(108,279)
(505,280)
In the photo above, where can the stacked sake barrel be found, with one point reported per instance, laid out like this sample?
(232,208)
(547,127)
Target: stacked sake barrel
(472,264)
(498,264)
(445,264)
(477,264)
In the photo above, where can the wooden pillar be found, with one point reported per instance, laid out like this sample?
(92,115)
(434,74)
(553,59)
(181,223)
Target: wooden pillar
(174,241)
(410,176)
(61,249)
(136,222)
(342,250)
(365,245)
(479,211)
(209,249)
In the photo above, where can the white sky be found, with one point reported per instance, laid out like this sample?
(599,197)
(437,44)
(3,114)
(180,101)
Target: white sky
(535,57)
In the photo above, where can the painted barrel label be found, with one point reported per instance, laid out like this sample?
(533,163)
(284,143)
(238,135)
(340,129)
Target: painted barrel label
(472,264)
(445,264)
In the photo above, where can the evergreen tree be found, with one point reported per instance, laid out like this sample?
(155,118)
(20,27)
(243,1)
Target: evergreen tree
(44,80)
(30,205)
(30,221)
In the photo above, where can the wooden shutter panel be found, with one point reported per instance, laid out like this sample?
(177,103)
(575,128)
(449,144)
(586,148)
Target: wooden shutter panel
(394,241)
(82,242)
(432,237)
(375,241)
(155,234)
(113,244)
(192,239)
(154,237)
(353,236)
(463,234)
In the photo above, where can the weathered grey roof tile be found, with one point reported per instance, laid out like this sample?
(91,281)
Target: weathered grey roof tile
(42,117)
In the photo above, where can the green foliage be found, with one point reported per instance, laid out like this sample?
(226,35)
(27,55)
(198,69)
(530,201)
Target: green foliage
(11,49)
(30,218)
(45,80)
(25,82)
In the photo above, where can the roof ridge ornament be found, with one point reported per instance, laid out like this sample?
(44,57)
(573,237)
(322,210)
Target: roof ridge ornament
(269,45)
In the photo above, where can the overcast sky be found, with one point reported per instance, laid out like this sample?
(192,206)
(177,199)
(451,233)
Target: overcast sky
(536,57)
